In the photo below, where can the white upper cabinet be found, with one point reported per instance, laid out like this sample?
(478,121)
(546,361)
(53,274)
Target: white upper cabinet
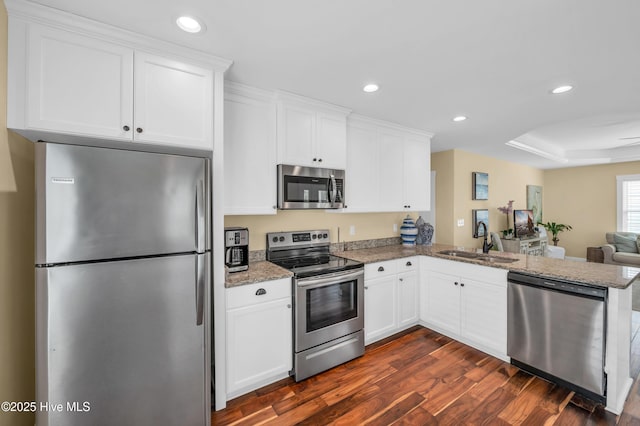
(77,84)
(89,81)
(173,102)
(249,151)
(417,173)
(388,167)
(311,133)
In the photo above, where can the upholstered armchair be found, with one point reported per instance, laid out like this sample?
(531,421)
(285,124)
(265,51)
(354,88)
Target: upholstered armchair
(621,249)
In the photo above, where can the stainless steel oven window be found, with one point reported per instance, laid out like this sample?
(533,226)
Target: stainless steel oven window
(331,304)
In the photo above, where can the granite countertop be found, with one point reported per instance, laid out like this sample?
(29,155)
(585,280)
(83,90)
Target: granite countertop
(597,274)
(257,272)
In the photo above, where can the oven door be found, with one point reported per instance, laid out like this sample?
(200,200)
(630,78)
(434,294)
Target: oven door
(310,188)
(328,307)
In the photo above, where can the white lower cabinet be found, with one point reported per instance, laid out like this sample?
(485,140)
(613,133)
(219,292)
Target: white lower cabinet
(466,302)
(259,335)
(390,297)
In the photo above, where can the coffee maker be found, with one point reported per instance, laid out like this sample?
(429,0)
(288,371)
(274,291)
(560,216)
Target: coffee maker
(236,249)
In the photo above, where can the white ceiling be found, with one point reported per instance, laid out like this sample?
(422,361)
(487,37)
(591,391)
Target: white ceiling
(494,61)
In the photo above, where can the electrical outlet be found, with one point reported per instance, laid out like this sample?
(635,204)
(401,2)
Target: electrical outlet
(395,228)
(352,230)
(460,223)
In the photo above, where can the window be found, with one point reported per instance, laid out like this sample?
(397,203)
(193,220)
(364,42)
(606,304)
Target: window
(628,203)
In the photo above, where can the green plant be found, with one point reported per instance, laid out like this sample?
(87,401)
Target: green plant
(555,229)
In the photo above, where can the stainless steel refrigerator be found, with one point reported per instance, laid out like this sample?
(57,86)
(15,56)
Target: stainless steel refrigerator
(122,287)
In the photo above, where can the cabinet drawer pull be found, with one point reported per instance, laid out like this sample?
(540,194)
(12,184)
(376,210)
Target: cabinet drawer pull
(126,128)
(261,292)
(409,264)
(380,269)
(139,129)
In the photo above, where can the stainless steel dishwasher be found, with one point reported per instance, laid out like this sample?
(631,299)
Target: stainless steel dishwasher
(557,330)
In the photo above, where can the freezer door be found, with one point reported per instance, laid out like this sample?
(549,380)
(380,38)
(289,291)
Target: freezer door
(125,340)
(99,203)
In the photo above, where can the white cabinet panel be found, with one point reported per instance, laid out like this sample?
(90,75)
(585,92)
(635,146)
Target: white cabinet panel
(296,134)
(484,313)
(259,335)
(391,170)
(363,177)
(88,88)
(417,174)
(78,84)
(443,298)
(331,143)
(311,133)
(388,167)
(408,311)
(380,306)
(173,102)
(249,153)
(391,297)
(459,304)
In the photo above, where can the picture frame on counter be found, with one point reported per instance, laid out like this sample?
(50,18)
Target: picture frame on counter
(480,186)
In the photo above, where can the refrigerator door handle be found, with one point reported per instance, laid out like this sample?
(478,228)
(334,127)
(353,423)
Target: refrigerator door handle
(200,217)
(200,279)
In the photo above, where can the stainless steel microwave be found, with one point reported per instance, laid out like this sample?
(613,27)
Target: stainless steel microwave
(310,188)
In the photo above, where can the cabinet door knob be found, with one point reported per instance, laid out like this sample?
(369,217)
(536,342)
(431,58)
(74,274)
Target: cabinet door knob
(289,306)
(315,159)
(261,292)
(455,283)
(401,279)
(126,128)
(380,269)
(409,263)
(139,129)
(461,284)
(320,160)
(366,287)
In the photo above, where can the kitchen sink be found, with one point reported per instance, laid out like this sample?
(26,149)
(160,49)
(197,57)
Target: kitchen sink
(485,257)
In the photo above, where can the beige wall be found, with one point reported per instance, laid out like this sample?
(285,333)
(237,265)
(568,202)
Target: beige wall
(367,225)
(507,181)
(17,325)
(585,198)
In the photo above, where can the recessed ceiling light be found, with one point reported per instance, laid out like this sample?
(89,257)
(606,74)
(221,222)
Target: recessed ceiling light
(459,118)
(561,89)
(189,24)
(370,88)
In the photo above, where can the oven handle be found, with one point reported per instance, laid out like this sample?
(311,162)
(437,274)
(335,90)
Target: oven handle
(329,279)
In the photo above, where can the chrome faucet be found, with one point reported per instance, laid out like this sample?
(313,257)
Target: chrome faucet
(485,245)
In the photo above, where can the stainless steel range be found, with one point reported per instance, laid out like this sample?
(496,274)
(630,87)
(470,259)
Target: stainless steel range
(328,314)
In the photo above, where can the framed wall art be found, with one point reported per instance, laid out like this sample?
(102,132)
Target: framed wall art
(534,202)
(480,215)
(480,186)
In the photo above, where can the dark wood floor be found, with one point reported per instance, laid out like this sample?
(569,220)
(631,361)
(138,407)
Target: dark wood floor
(424,378)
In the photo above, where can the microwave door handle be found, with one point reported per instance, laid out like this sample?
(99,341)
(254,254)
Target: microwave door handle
(332,189)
